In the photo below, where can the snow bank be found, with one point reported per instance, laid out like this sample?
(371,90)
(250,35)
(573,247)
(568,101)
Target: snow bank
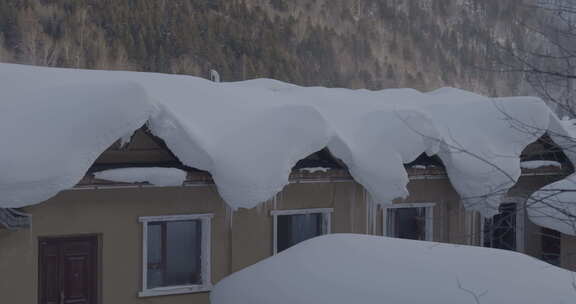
(250,134)
(554,206)
(163,177)
(344,269)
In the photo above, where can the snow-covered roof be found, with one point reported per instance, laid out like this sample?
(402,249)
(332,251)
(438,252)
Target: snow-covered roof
(250,134)
(345,268)
(554,206)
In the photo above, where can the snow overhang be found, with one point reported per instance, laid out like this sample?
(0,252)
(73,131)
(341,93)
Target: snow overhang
(554,205)
(250,134)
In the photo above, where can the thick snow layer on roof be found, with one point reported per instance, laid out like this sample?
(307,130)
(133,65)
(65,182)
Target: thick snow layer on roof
(250,134)
(345,268)
(563,133)
(554,206)
(51,136)
(479,139)
(163,177)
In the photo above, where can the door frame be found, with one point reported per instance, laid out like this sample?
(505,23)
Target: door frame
(96,237)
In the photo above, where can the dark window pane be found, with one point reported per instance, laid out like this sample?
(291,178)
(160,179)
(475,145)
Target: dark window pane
(183,240)
(174,253)
(409,223)
(551,246)
(154,255)
(500,230)
(293,229)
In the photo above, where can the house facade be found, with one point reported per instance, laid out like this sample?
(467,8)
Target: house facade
(111,242)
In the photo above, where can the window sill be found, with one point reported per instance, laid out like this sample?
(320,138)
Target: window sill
(166,291)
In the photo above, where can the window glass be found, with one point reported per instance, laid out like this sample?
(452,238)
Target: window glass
(154,255)
(174,252)
(500,230)
(551,246)
(293,229)
(407,223)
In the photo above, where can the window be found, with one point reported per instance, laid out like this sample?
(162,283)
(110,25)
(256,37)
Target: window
(505,230)
(551,246)
(294,226)
(409,221)
(176,254)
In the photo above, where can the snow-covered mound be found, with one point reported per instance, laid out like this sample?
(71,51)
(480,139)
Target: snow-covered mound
(163,177)
(554,206)
(344,269)
(250,134)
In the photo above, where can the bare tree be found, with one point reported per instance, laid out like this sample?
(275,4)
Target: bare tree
(547,59)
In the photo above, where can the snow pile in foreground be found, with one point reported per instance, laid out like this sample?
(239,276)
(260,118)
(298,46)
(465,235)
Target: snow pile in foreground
(250,134)
(554,206)
(344,269)
(163,177)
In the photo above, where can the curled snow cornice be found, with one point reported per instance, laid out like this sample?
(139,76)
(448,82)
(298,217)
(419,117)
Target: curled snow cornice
(250,134)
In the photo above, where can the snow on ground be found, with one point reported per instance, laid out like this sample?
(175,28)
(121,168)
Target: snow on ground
(554,206)
(163,177)
(362,269)
(250,134)
(535,164)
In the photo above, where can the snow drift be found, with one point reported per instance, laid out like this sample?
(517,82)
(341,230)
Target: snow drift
(250,134)
(344,269)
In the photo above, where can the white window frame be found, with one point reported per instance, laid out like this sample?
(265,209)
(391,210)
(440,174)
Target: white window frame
(326,221)
(429,217)
(205,257)
(520,223)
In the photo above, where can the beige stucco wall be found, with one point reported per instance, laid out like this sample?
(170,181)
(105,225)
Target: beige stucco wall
(569,252)
(237,243)
(113,215)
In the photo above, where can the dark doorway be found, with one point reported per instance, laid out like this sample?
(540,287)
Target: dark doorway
(67,270)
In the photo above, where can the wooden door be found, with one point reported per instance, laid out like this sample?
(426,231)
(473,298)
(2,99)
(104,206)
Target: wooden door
(68,270)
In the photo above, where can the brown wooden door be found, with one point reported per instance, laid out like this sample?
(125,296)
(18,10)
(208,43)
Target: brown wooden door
(68,270)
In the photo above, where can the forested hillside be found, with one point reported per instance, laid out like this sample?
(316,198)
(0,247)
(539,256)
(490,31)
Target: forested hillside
(350,43)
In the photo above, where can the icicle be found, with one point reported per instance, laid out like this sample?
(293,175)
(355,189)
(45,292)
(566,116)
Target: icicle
(352,206)
(125,140)
(275,201)
(371,213)
(259,208)
(229,216)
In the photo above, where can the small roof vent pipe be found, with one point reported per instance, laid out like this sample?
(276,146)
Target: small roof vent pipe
(214,76)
